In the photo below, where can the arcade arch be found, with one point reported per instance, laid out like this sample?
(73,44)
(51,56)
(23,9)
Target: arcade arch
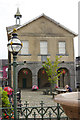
(43,78)
(25,78)
(64,78)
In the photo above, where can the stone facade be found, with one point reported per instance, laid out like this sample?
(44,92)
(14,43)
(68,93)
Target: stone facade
(40,29)
(36,66)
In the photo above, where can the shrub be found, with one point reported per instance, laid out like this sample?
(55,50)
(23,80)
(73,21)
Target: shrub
(6,113)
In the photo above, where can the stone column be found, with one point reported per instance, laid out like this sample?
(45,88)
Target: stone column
(34,79)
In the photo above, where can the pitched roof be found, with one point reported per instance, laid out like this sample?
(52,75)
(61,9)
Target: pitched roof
(50,19)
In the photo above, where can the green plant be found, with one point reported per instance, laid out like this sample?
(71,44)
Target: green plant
(52,69)
(5,100)
(0,91)
(6,113)
(0,96)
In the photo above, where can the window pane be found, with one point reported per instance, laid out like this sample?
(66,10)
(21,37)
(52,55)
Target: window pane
(43,47)
(62,48)
(43,58)
(24,49)
(62,51)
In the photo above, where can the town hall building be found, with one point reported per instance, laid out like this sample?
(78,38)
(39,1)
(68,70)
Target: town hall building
(42,38)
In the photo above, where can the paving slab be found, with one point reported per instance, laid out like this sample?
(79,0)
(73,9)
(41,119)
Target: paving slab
(35,97)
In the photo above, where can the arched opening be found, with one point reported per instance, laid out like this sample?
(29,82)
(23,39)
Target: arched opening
(64,78)
(25,78)
(43,78)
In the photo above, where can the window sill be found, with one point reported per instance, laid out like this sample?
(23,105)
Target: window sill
(43,54)
(62,54)
(24,54)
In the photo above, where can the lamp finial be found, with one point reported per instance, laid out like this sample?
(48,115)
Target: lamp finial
(14,30)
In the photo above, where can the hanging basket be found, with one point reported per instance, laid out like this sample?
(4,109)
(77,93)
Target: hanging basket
(25,72)
(64,71)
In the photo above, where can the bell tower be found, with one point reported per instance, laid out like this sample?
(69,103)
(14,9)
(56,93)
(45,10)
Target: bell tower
(18,16)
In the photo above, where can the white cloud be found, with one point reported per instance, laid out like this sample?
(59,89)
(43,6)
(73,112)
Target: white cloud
(63,11)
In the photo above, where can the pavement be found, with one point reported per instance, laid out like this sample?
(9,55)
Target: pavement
(35,97)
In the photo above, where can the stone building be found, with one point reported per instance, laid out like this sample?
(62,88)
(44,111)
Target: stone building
(3,72)
(42,37)
(78,73)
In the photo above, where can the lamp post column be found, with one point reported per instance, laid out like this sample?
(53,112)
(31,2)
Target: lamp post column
(15,86)
(14,46)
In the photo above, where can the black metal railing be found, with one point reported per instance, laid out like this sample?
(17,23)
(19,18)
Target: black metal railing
(41,112)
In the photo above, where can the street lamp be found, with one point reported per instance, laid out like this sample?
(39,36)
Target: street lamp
(14,46)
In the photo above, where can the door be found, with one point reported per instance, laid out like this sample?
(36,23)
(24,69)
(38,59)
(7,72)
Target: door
(24,82)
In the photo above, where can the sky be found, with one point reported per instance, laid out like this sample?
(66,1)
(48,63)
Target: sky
(63,11)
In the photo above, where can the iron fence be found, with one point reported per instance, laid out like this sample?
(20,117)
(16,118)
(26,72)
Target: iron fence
(41,112)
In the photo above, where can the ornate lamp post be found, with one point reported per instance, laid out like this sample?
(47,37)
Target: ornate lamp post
(14,46)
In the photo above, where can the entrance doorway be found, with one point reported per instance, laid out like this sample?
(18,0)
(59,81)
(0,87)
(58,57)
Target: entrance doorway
(64,78)
(25,78)
(24,83)
(43,79)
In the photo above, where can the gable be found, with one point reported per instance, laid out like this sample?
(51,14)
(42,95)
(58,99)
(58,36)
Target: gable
(44,26)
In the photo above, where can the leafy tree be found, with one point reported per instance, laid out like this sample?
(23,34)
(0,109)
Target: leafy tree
(52,70)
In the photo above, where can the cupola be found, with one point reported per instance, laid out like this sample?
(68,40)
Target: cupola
(18,16)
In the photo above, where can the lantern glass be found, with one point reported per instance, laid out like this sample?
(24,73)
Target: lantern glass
(14,45)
